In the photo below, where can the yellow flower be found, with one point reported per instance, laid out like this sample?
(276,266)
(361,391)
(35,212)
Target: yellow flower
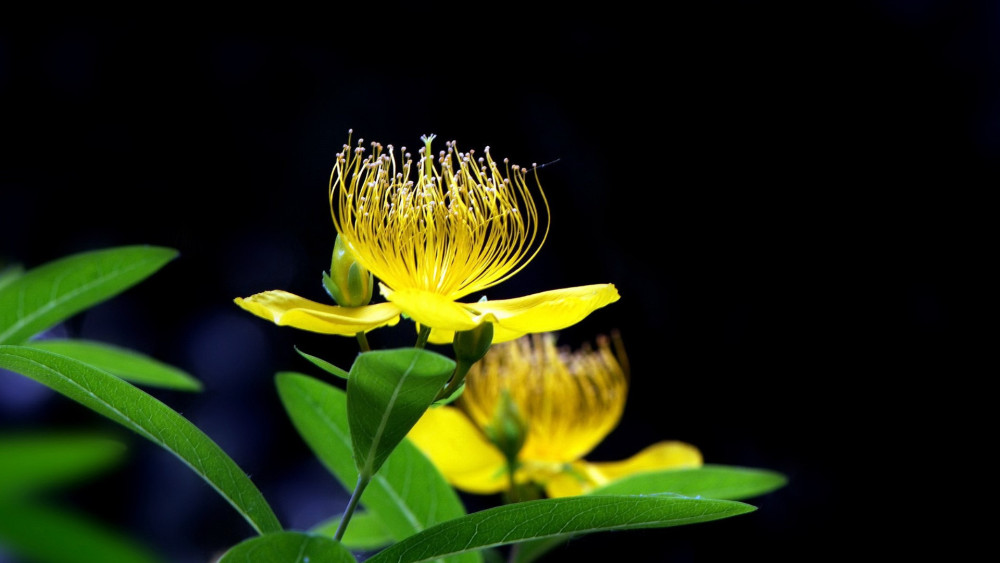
(447,227)
(568,402)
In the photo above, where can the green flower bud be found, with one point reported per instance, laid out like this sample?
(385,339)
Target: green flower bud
(508,430)
(471,345)
(348,283)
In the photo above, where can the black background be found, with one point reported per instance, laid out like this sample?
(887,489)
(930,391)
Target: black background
(787,195)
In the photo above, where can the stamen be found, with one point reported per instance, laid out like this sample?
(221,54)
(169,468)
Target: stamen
(461,231)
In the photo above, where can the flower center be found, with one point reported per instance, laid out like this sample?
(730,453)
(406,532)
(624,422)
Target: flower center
(569,400)
(459,226)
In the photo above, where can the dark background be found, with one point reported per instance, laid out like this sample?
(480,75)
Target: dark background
(787,195)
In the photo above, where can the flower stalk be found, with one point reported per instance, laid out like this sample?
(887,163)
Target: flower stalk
(351,506)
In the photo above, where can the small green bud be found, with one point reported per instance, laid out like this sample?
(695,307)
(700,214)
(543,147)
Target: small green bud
(508,430)
(471,345)
(348,283)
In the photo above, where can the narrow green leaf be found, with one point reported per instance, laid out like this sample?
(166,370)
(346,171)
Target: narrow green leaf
(711,481)
(387,392)
(35,461)
(55,291)
(148,417)
(324,365)
(10,273)
(365,532)
(408,494)
(288,547)
(492,555)
(127,364)
(546,518)
(55,535)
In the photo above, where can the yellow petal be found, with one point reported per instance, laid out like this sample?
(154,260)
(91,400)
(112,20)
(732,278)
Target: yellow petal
(547,311)
(513,318)
(287,309)
(432,309)
(587,476)
(460,451)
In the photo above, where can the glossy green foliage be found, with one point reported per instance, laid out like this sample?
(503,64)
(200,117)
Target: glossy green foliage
(46,295)
(387,393)
(288,547)
(34,466)
(365,532)
(547,518)
(126,364)
(710,481)
(38,461)
(406,495)
(150,418)
(42,534)
(324,365)
(10,273)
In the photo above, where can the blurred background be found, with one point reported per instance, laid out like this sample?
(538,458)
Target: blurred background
(787,196)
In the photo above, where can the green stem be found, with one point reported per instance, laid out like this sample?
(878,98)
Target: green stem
(513,495)
(363,341)
(351,505)
(425,331)
(456,381)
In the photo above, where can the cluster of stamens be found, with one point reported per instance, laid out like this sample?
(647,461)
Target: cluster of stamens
(460,225)
(570,399)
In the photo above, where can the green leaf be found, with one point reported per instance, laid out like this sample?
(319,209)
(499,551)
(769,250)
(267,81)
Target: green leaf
(710,481)
(36,461)
(50,535)
(365,532)
(323,364)
(407,495)
(148,417)
(55,291)
(10,273)
(288,547)
(492,555)
(387,392)
(547,518)
(126,364)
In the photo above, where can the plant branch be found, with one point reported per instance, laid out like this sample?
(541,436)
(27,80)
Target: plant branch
(351,505)
(363,341)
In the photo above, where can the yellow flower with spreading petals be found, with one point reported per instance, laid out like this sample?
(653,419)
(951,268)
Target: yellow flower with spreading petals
(434,232)
(564,402)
